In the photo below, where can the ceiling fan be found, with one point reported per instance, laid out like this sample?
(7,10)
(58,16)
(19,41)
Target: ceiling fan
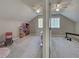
(56,6)
(60,5)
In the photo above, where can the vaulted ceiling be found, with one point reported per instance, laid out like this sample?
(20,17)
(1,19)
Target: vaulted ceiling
(24,9)
(72,10)
(15,10)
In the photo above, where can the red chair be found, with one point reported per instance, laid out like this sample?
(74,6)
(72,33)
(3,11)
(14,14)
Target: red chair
(8,38)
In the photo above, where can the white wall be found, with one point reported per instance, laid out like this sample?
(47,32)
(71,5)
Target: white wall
(66,25)
(76,31)
(12,14)
(34,26)
(9,26)
(77,27)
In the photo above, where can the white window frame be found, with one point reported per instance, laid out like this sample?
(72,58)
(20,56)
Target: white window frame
(53,22)
(40,22)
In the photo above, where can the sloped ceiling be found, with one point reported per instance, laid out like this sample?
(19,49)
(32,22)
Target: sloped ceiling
(22,9)
(72,11)
(15,10)
(33,2)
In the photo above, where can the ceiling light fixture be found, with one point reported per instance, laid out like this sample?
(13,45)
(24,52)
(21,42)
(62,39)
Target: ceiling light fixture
(57,9)
(38,11)
(58,5)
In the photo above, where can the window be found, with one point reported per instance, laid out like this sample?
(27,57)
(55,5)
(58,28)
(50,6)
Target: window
(40,22)
(55,22)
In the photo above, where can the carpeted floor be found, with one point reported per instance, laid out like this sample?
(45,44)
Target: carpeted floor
(27,47)
(62,48)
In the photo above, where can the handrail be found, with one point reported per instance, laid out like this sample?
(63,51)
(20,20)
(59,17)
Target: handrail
(71,34)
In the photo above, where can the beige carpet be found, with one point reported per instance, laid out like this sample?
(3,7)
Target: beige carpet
(27,47)
(62,48)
